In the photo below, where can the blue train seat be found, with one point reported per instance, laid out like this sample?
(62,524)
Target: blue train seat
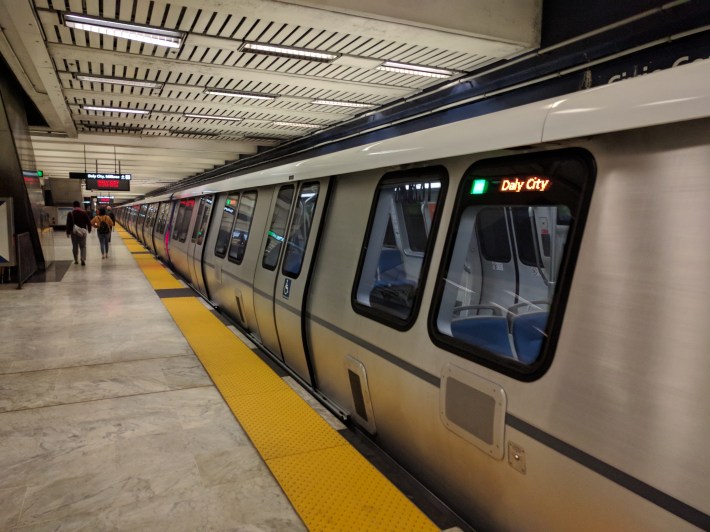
(528,332)
(487,332)
(390,266)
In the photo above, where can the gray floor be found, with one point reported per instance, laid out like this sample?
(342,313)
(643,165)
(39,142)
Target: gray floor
(107,419)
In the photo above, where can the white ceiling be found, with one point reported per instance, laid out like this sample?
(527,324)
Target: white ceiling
(164,146)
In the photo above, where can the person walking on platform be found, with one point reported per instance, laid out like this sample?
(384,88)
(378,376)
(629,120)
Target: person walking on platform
(104,225)
(78,228)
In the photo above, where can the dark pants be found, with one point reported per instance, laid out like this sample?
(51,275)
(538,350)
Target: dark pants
(78,243)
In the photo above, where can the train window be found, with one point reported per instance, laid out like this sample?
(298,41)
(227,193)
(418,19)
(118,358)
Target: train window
(242,226)
(225,226)
(508,263)
(275,236)
(395,252)
(300,229)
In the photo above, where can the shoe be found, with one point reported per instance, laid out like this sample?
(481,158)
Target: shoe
(83,263)
(76,261)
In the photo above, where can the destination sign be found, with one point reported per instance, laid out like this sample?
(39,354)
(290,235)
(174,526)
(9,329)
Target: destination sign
(96,181)
(96,175)
(531,183)
(525,183)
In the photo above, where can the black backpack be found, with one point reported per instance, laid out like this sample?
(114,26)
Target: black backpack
(103,228)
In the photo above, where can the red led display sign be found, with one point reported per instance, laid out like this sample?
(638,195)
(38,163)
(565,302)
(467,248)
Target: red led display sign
(96,181)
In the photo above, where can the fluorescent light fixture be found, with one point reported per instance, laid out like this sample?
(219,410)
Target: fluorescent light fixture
(114,110)
(193,133)
(297,124)
(104,127)
(119,81)
(288,51)
(212,117)
(342,104)
(415,70)
(240,94)
(134,32)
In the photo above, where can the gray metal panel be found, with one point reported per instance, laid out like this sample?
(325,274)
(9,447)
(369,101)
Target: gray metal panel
(474,408)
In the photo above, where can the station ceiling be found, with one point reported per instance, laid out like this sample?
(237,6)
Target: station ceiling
(80,70)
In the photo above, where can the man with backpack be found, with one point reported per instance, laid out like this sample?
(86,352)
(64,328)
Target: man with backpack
(78,227)
(103,224)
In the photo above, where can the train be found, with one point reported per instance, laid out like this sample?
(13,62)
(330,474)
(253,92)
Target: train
(513,306)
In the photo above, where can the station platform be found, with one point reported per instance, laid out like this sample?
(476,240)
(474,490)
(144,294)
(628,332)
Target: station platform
(128,403)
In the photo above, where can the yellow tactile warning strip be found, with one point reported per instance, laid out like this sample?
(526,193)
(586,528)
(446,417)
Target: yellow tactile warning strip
(330,484)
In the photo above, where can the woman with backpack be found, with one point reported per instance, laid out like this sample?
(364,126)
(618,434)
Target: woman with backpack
(103,224)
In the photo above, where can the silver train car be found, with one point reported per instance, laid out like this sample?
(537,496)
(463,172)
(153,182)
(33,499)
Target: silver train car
(514,306)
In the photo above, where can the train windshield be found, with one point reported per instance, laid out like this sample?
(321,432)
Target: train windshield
(504,272)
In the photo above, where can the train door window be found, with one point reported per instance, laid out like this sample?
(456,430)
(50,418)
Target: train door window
(508,263)
(178,220)
(162,215)
(198,220)
(205,220)
(183,224)
(277,230)
(300,229)
(397,247)
(242,226)
(150,217)
(141,216)
(225,226)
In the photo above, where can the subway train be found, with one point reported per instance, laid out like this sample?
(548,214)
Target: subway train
(514,306)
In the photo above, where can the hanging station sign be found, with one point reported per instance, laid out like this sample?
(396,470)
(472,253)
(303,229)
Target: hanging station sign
(96,181)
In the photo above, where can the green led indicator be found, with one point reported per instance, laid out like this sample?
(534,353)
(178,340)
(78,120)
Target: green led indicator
(40,173)
(479,186)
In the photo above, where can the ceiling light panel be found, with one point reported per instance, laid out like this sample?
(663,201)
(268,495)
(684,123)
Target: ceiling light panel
(240,94)
(297,124)
(119,81)
(338,103)
(212,117)
(288,51)
(114,110)
(134,32)
(415,70)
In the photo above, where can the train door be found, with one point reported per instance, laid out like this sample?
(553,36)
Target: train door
(292,279)
(267,272)
(284,271)
(196,245)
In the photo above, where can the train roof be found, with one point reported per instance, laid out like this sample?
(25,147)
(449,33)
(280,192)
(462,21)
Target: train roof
(672,95)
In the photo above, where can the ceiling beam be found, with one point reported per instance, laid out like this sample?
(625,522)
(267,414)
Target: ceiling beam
(33,66)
